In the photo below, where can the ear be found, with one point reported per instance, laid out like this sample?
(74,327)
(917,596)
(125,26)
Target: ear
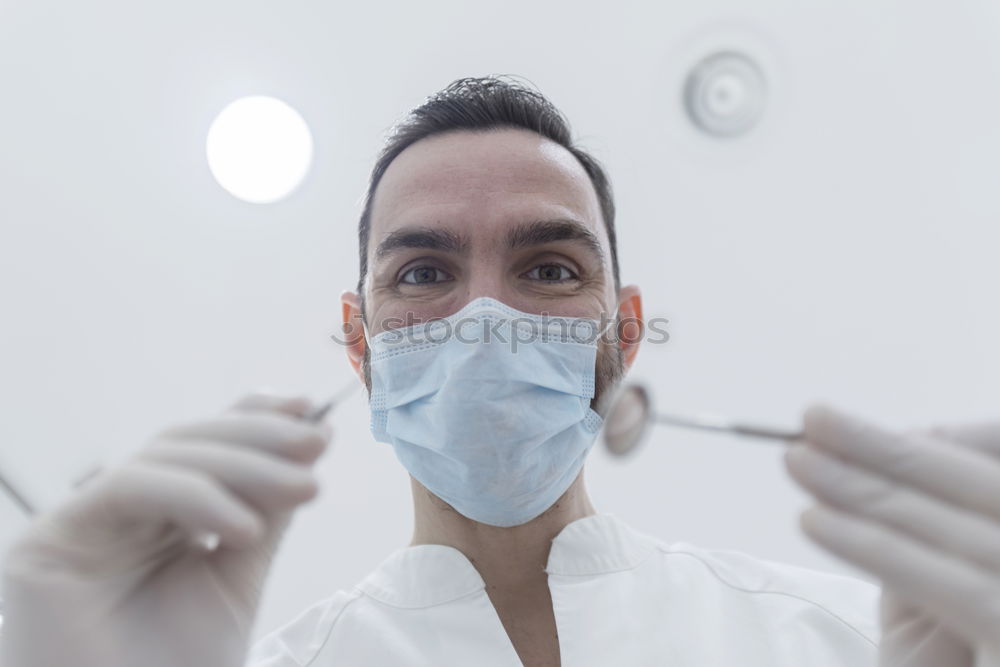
(631,325)
(354,333)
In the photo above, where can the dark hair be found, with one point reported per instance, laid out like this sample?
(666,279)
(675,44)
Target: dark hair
(481,104)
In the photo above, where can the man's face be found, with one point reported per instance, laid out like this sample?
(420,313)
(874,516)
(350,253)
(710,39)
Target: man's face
(506,214)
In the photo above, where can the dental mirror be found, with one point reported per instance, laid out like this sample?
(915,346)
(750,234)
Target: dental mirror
(627,420)
(631,413)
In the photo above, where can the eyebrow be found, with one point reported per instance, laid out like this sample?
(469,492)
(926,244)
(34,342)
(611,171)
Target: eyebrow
(524,235)
(547,231)
(421,237)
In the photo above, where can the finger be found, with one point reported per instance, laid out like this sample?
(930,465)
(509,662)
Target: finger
(912,638)
(963,596)
(959,475)
(147,494)
(922,517)
(267,431)
(984,436)
(262,399)
(266,482)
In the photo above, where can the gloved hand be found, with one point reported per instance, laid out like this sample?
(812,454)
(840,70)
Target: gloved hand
(921,511)
(114,578)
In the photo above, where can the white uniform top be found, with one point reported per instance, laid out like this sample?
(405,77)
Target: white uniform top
(620,597)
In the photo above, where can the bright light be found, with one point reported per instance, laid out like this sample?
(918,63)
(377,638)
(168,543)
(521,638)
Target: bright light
(259,149)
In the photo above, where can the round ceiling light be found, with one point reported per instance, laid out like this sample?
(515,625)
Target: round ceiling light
(259,149)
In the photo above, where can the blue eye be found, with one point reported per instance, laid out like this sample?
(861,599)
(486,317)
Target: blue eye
(424,275)
(553,273)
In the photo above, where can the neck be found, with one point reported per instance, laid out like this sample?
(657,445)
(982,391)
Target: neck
(508,559)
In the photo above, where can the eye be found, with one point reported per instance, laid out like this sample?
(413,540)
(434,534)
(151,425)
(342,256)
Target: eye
(424,275)
(553,273)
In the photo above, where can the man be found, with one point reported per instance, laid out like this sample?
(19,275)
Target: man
(481,210)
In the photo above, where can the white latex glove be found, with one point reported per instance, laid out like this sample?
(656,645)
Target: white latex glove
(114,578)
(920,510)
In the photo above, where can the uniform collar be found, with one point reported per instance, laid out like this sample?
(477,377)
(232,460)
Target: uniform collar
(597,544)
(429,574)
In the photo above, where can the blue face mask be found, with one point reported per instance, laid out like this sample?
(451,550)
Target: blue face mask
(489,408)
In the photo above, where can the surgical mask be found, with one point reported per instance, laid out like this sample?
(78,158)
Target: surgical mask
(489,408)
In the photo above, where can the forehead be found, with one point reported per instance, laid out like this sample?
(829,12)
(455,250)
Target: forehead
(482,183)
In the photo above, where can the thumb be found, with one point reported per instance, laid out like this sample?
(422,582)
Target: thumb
(265,399)
(984,435)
